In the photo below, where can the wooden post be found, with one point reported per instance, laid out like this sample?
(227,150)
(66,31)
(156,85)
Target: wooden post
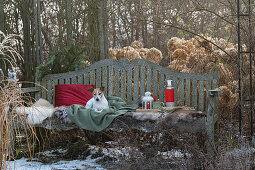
(211,112)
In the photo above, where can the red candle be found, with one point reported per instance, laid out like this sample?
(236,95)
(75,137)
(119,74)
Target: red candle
(148,105)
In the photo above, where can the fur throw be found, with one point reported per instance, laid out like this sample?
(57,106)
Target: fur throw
(38,112)
(61,113)
(144,116)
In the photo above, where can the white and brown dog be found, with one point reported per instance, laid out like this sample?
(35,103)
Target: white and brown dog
(98,102)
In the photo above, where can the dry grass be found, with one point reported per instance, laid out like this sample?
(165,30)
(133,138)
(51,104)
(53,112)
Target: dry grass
(8,54)
(10,122)
(11,97)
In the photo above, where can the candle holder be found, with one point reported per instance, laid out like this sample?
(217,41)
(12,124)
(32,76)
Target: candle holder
(147,101)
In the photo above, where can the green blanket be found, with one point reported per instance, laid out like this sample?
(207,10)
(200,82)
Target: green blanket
(97,121)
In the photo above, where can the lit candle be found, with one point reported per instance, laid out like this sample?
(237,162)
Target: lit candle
(148,105)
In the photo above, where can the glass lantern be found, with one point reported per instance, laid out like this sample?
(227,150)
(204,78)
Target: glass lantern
(147,101)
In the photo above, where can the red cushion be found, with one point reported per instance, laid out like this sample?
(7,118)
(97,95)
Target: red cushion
(69,94)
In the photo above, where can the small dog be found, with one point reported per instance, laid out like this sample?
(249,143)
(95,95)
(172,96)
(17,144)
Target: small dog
(98,102)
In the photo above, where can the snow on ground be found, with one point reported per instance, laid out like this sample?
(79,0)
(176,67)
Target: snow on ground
(25,164)
(172,154)
(113,151)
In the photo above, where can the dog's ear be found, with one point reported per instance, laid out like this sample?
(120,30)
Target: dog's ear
(91,90)
(102,88)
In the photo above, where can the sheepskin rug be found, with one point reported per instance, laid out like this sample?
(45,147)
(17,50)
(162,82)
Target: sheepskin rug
(38,112)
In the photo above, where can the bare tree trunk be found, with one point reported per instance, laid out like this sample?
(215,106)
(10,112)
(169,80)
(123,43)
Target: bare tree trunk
(145,33)
(93,29)
(2,15)
(113,25)
(47,40)
(40,30)
(156,25)
(60,25)
(132,22)
(103,28)
(37,46)
(2,21)
(69,22)
(28,62)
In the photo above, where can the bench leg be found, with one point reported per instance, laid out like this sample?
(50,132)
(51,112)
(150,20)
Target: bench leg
(210,121)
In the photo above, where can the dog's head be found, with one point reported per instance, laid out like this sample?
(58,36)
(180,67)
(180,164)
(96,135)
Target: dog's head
(97,93)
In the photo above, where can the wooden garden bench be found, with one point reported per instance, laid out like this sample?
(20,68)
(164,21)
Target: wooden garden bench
(131,79)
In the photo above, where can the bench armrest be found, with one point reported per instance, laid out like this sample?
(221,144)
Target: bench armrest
(215,92)
(30,89)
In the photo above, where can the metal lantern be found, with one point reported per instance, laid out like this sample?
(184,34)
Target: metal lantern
(147,101)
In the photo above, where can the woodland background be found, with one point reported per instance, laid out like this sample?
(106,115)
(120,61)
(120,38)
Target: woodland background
(186,35)
(194,36)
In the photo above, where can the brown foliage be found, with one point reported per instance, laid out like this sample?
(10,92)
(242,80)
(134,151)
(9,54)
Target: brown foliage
(136,51)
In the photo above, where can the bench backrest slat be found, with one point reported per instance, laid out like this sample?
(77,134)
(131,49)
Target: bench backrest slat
(194,93)
(155,82)
(187,93)
(181,92)
(131,79)
(117,82)
(201,95)
(162,86)
(104,79)
(129,85)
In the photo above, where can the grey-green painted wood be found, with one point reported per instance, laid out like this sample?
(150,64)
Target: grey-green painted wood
(49,98)
(39,89)
(136,74)
(142,80)
(123,85)
(212,98)
(67,80)
(187,91)
(117,82)
(149,79)
(73,80)
(98,77)
(61,81)
(181,92)
(110,81)
(55,82)
(129,86)
(155,82)
(92,77)
(124,65)
(104,80)
(161,86)
(194,93)
(168,77)
(201,95)
(175,89)
(80,79)
(207,91)
(44,88)
(30,89)
(86,78)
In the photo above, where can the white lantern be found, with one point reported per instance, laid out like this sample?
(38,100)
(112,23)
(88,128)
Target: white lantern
(147,101)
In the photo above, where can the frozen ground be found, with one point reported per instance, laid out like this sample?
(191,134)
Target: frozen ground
(98,158)
(26,164)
